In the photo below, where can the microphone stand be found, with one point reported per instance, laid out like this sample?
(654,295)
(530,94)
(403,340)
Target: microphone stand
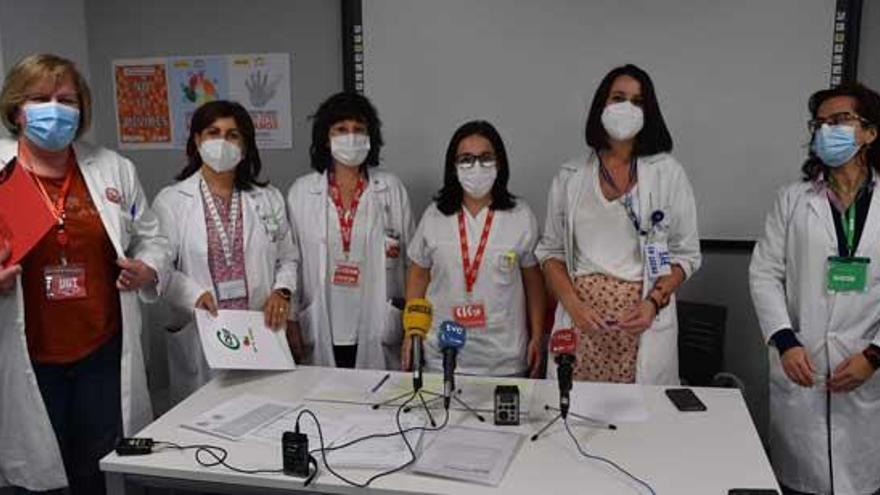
(418,363)
(565,384)
(595,423)
(458,400)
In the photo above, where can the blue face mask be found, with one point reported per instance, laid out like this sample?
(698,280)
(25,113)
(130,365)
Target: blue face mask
(51,125)
(835,144)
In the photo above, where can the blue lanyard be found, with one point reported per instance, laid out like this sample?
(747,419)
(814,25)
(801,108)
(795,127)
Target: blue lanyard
(627,196)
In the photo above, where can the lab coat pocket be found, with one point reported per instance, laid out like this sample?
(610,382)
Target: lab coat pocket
(308,322)
(664,320)
(505,265)
(126,225)
(393,331)
(184,352)
(868,392)
(272,223)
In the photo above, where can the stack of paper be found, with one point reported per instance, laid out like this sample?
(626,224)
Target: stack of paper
(237,418)
(469,454)
(272,431)
(376,453)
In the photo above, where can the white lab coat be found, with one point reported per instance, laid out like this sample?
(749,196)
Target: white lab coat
(29,454)
(787,277)
(271,259)
(663,185)
(387,212)
(500,348)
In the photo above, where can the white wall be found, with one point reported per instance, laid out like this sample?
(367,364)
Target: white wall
(869,47)
(43,26)
(732,79)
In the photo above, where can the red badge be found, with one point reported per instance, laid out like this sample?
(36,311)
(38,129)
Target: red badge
(347,274)
(470,315)
(113,195)
(63,282)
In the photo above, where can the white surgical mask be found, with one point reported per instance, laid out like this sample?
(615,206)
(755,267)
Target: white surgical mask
(622,121)
(350,149)
(478,180)
(220,154)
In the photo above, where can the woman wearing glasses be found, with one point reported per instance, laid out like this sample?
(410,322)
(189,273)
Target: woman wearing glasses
(815,281)
(621,236)
(472,258)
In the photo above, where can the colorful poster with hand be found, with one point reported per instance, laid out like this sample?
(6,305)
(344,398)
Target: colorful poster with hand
(194,81)
(262,84)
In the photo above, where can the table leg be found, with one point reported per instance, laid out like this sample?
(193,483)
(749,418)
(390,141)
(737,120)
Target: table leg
(117,484)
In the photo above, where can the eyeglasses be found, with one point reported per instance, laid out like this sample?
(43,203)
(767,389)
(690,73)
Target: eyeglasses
(467,160)
(836,119)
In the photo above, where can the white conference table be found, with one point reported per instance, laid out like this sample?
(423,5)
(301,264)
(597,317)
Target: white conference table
(699,453)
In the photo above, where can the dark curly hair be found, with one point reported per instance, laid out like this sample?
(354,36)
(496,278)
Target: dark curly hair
(449,198)
(344,106)
(867,107)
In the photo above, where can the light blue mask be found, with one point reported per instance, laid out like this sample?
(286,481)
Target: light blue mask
(50,125)
(835,144)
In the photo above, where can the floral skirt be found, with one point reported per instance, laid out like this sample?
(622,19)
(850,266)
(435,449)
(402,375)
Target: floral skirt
(607,355)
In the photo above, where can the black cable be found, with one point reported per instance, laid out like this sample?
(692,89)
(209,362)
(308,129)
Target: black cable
(603,459)
(219,454)
(400,431)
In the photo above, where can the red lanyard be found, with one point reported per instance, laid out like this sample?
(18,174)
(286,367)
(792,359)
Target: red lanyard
(346,216)
(471,270)
(57,208)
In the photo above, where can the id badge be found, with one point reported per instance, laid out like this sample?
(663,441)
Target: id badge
(347,274)
(657,259)
(232,289)
(847,274)
(65,282)
(471,315)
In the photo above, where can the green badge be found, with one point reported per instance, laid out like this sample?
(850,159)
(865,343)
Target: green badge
(847,274)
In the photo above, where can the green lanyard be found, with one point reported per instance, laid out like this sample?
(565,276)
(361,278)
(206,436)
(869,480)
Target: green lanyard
(849,228)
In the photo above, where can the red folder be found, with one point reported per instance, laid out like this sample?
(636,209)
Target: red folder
(24,216)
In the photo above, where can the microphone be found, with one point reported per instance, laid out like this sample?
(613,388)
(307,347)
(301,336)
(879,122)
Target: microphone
(451,337)
(417,315)
(563,343)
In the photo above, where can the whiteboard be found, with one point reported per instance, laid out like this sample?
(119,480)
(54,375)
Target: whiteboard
(733,78)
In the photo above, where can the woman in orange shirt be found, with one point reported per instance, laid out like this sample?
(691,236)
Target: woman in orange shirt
(70,358)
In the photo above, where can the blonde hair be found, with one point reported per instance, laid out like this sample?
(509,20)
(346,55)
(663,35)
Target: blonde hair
(31,70)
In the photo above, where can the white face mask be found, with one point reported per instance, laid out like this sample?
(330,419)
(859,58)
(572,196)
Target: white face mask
(622,121)
(220,154)
(350,149)
(478,180)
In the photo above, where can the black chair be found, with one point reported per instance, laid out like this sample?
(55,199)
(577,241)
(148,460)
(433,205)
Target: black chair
(700,342)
